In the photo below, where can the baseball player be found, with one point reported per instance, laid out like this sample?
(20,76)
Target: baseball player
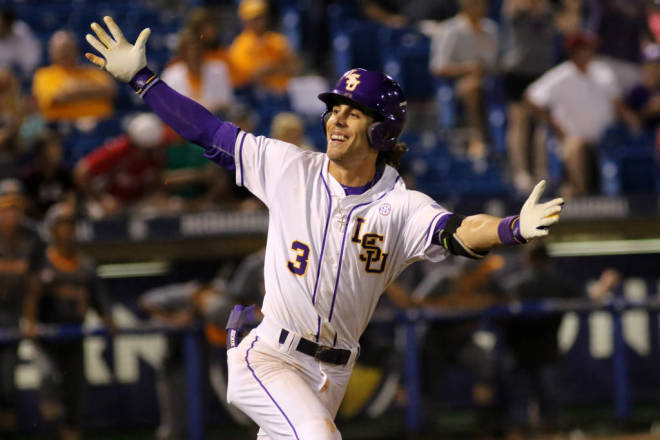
(342,226)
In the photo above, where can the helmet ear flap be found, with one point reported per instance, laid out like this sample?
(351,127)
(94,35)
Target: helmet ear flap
(380,136)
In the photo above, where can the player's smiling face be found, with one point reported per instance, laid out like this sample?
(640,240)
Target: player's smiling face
(346,133)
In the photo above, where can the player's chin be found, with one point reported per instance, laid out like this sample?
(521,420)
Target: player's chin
(335,150)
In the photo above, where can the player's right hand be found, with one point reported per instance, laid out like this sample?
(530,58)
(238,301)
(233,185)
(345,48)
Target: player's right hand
(119,57)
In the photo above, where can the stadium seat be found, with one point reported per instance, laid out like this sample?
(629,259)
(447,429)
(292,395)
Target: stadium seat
(628,162)
(292,19)
(406,59)
(339,12)
(445,96)
(353,46)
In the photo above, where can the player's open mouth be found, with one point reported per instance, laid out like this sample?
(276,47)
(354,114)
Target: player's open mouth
(338,138)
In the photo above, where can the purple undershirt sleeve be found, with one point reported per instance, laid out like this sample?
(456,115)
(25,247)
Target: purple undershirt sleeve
(439,226)
(191,120)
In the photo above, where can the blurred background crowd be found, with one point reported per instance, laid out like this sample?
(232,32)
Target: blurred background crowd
(502,93)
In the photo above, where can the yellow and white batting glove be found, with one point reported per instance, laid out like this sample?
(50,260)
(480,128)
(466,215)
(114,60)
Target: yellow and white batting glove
(120,58)
(534,220)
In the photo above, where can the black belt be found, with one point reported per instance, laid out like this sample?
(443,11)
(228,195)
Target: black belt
(337,356)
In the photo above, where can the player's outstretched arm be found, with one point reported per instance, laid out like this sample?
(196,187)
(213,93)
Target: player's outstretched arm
(128,63)
(483,232)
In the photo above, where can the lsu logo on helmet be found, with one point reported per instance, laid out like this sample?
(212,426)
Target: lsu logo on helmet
(352,80)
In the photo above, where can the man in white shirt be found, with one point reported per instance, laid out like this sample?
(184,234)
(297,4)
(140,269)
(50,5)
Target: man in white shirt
(18,46)
(580,98)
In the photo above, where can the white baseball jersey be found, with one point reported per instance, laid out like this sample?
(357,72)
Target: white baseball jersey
(329,256)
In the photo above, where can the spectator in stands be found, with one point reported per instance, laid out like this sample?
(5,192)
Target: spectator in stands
(261,58)
(569,16)
(19,48)
(621,27)
(127,169)
(466,51)
(67,287)
(46,179)
(180,306)
(398,13)
(19,251)
(193,180)
(533,343)
(11,117)
(289,127)
(653,23)
(644,97)
(528,50)
(561,96)
(68,91)
(203,79)
(202,22)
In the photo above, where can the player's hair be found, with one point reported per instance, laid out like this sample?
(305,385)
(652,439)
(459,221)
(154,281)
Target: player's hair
(393,157)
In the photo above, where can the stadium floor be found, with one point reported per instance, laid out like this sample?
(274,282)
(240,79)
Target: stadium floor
(596,423)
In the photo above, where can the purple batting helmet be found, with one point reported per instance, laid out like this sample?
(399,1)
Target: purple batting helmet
(379,95)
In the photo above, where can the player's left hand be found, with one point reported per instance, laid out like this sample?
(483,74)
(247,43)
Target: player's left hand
(120,58)
(535,217)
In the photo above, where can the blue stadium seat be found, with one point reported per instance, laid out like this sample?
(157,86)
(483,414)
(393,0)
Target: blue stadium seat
(406,59)
(445,96)
(628,163)
(291,18)
(449,110)
(339,12)
(268,105)
(353,46)
(458,177)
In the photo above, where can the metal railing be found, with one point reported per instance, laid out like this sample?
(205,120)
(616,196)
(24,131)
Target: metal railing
(411,320)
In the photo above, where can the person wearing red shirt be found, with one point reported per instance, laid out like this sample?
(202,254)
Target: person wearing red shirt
(125,170)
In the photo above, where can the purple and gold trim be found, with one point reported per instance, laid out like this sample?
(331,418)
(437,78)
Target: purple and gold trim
(508,230)
(143,81)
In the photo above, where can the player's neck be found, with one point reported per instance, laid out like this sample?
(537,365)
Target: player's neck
(355,174)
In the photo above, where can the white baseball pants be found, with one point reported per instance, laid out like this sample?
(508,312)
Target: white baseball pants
(290,395)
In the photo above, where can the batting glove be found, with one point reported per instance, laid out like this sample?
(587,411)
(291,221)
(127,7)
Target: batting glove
(534,220)
(120,58)
(535,217)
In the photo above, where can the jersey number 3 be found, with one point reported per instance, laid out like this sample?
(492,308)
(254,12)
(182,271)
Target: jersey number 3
(299,266)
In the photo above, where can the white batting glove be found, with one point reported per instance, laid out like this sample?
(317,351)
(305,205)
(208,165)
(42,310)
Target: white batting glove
(535,217)
(120,58)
